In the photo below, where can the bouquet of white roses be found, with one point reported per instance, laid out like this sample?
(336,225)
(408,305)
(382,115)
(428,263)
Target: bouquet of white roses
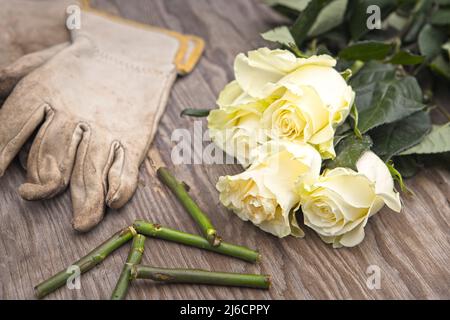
(279,118)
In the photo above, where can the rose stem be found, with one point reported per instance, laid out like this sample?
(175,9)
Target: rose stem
(86,263)
(202,220)
(157,231)
(196,276)
(134,257)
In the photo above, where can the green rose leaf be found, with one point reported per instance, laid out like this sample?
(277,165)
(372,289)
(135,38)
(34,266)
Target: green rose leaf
(406,165)
(417,17)
(382,98)
(396,21)
(366,50)
(392,139)
(306,20)
(440,66)
(372,72)
(441,17)
(298,5)
(430,41)
(282,35)
(349,150)
(437,141)
(331,16)
(288,8)
(405,57)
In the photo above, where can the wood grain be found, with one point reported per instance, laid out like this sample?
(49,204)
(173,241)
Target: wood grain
(412,248)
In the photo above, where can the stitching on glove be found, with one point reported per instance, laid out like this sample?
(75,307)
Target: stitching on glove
(105,56)
(114,59)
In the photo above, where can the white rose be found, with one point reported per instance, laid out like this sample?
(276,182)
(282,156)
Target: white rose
(235,127)
(265,71)
(266,193)
(296,98)
(338,205)
(301,117)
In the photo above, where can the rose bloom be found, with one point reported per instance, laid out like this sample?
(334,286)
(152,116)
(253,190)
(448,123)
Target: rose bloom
(277,95)
(301,117)
(338,205)
(265,193)
(235,127)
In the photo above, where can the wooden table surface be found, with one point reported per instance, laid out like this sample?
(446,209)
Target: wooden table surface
(411,248)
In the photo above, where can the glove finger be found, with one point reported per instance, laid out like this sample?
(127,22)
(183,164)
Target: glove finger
(88,184)
(11,75)
(51,158)
(19,117)
(122,178)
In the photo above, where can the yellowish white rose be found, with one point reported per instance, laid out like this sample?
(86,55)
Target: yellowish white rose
(266,193)
(264,71)
(338,205)
(301,117)
(277,95)
(235,127)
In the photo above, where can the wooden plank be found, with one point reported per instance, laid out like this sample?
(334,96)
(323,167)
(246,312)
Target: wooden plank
(36,239)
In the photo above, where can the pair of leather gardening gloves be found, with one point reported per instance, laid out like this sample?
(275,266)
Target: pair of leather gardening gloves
(93,102)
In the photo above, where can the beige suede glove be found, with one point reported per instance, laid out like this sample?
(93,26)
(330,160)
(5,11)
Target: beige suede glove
(98,103)
(28,26)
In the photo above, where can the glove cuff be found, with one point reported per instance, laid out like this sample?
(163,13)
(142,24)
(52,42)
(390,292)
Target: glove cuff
(146,45)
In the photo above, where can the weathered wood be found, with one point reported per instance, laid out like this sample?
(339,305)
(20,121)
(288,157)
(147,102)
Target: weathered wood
(412,248)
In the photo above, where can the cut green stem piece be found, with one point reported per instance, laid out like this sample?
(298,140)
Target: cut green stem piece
(198,113)
(134,257)
(86,263)
(157,231)
(202,220)
(196,276)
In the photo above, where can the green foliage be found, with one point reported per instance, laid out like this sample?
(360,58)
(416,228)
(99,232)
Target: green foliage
(437,141)
(406,165)
(282,35)
(389,112)
(329,17)
(382,98)
(405,57)
(440,66)
(349,150)
(391,139)
(430,41)
(397,176)
(441,17)
(366,51)
(306,20)
(296,5)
